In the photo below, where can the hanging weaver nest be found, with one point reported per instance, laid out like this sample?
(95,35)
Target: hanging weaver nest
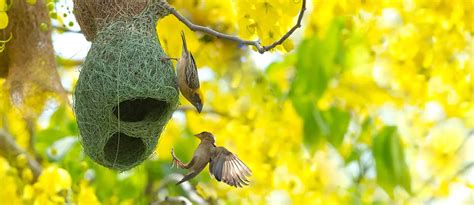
(125,94)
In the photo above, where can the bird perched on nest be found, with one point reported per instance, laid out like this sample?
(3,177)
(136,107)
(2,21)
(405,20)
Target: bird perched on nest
(188,79)
(223,164)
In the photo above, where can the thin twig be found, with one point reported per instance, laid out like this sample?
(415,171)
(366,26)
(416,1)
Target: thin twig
(256,43)
(10,149)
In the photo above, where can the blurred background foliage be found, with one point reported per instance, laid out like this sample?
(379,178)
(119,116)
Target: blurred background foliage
(371,102)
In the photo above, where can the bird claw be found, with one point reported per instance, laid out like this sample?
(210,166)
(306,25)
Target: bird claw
(162,59)
(175,161)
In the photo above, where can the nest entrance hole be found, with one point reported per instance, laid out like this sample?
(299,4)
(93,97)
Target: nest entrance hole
(124,150)
(135,110)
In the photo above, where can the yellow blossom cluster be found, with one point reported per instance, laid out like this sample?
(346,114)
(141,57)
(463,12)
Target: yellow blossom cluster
(373,106)
(3,14)
(419,70)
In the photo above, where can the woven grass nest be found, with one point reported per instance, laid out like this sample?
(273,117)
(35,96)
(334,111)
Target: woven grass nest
(125,94)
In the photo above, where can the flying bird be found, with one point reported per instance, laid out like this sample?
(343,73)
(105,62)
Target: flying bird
(188,79)
(223,164)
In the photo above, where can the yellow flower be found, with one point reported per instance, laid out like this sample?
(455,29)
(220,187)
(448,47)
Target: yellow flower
(443,188)
(3,20)
(86,194)
(253,19)
(47,190)
(22,160)
(53,179)
(17,126)
(8,184)
(442,146)
(28,192)
(27,175)
(3,5)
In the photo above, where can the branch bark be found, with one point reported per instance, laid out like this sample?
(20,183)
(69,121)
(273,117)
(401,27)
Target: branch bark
(88,12)
(255,43)
(9,149)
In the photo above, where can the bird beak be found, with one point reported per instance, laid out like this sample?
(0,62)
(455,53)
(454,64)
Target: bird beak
(198,135)
(198,102)
(198,106)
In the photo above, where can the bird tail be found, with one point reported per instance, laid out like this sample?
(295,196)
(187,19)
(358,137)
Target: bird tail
(187,177)
(183,38)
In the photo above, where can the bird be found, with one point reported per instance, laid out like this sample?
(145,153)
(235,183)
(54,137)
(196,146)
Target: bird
(224,165)
(188,79)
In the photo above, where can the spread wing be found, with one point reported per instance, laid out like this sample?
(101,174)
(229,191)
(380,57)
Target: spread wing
(192,78)
(226,167)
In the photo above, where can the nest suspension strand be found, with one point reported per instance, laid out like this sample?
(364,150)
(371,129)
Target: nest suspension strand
(125,94)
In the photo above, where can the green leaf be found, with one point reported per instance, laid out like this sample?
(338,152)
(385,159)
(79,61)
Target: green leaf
(390,164)
(318,125)
(158,169)
(105,181)
(337,122)
(60,125)
(70,161)
(61,119)
(132,185)
(44,138)
(308,112)
(318,61)
(311,128)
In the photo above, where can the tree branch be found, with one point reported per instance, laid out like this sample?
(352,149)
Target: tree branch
(10,149)
(256,43)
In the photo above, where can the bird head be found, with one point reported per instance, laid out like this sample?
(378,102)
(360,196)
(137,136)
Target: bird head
(197,100)
(205,136)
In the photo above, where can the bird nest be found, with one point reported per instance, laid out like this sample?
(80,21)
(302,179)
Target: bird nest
(125,94)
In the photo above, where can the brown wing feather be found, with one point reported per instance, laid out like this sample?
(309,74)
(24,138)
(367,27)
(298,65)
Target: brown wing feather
(190,70)
(192,78)
(227,167)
